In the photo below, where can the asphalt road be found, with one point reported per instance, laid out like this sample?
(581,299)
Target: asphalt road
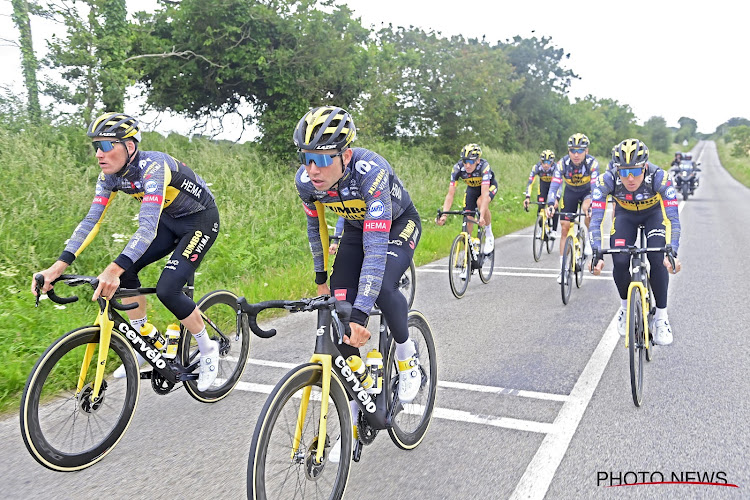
(533,401)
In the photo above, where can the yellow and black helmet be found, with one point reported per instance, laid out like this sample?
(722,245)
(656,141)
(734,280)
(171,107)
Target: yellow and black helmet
(630,153)
(547,155)
(116,125)
(578,141)
(471,152)
(326,127)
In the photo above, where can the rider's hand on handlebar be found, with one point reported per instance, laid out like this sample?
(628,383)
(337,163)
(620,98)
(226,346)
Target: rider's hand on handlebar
(526,204)
(668,265)
(596,270)
(50,274)
(358,337)
(109,282)
(441,220)
(550,211)
(332,249)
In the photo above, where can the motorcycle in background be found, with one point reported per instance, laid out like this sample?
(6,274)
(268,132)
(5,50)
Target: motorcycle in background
(685,178)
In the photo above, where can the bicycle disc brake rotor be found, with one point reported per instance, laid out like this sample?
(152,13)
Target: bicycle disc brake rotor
(313,470)
(85,402)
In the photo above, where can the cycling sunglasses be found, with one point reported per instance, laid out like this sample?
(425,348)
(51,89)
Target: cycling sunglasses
(470,161)
(546,162)
(634,171)
(105,146)
(577,150)
(320,160)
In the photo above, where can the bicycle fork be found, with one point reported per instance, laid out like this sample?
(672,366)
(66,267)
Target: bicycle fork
(325,361)
(105,334)
(644,308)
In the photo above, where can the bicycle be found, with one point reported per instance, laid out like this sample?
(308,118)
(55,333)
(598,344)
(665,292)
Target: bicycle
(308,410)
(640,311)
(407,285)
(542,230)
(467,254)
(72,416)
(573,258)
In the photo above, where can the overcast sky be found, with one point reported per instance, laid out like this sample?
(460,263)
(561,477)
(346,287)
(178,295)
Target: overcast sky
(663,58)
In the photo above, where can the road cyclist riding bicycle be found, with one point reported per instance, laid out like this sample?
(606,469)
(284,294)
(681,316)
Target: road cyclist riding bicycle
(643,196)
(579,170)
(544,169)
(178,214)
(382,230)
(481,188)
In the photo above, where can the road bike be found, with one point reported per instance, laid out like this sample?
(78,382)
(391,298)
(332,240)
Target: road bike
(542,230)
(73,413)
(573,258)
(640,311)
(467,254)
(308,411)
(407,285)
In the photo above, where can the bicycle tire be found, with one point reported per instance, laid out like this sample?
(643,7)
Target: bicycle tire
(459,260)
(411,421)
(486,262)
(407,285)
(49,402)
(651,314)
(220,306)
(635,345)
(550,243)
(566,270)
(538,240)
(272,471)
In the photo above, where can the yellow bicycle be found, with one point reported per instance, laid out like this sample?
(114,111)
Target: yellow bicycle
(467,254)
(573,258)
(542,231)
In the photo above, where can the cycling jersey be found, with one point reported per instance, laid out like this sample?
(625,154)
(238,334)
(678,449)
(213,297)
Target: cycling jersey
(160,183)
(545,178)
(370,197)
(578,178)
(654,193)
(481,176)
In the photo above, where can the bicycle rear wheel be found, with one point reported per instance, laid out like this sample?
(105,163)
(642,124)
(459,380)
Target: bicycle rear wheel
(651,314)
(275,470)
(487,261)
(407,285)
(459,263)
(220,307)
(411,420)
(635,345)
(549,241)
(566,278)
(538,240)
(67,430)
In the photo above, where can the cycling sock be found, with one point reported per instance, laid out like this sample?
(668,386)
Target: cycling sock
(661,313)
(624,303)
(138,323)
(405,351)
(354,407)
(489,230)
(203,340)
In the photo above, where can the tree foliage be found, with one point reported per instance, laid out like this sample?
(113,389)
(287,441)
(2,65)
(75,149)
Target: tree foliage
(740,136)
(29,61)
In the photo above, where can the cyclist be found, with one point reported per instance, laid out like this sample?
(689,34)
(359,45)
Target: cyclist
(382,230)
(579,170)
(177,214)
(544,170)
(481,188)
(643,196)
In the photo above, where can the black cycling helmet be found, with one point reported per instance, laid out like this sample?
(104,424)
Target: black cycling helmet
(326,127)
(578,141)
(471,152)
(547,155)
(116,125)
(630,153)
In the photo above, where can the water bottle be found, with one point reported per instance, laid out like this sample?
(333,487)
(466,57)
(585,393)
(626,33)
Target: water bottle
(154,337)
(475,247)
(358,367)
(173,339)
(374,363)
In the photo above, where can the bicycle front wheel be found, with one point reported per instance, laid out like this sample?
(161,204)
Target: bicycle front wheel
(278,470)
(538,240)
(67,430)
(220,307)
(411,420)
(566,277)
(459,266)
(549,240)
(636,345)
(407,285)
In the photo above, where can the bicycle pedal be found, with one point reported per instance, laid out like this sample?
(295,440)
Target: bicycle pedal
(357,452)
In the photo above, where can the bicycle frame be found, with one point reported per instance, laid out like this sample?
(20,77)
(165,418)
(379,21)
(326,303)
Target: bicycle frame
(469,216)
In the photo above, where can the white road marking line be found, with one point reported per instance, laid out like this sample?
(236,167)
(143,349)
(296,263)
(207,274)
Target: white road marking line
(442,266)
(532,275)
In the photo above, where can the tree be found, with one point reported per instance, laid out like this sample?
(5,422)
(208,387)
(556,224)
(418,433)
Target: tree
(688,129)
(29,61)
(740,135)
(656,134)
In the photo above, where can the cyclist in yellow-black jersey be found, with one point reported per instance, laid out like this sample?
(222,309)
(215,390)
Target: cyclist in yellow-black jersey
(544,169)
(481,188)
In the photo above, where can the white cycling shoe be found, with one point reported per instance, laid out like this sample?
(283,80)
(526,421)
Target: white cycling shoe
(622,321)
(662,332)
(489,244)
(209,368)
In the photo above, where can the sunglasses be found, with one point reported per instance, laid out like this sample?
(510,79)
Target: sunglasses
(105,146)
(320,160)
(634,171)
(469,161)
(577,150)
(546,162)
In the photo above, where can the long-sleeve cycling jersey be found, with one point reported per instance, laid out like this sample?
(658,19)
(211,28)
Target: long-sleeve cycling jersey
(654,193)
(481,176)
(160,183)
(578,178)
(538,170)
(369,196)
